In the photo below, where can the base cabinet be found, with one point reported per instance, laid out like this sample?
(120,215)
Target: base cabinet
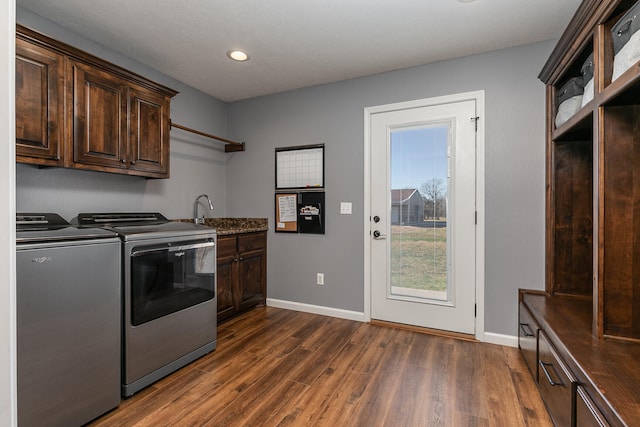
(241,273)
(582,380)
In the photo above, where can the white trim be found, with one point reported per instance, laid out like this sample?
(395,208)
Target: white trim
(316,309)
(478,97)
(367,214)
(489,337)
(500,339)
(480,209)
(8,366)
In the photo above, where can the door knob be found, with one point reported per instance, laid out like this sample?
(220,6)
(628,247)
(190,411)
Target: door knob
(378,235)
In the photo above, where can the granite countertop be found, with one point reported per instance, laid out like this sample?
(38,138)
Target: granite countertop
(226,226)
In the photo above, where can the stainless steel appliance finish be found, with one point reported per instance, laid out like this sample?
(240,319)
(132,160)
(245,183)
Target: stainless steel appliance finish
(169,290)
(68,321)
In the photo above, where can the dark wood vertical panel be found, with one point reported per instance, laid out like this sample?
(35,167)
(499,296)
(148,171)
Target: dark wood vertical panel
(583,220)
(550,243)
(634,286)
(622,221)
(563,218)
(573,252)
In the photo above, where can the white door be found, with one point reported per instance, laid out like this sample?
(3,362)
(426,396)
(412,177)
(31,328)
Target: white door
(423,215)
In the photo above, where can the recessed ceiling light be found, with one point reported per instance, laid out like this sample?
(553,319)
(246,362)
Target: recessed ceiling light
(238,55)
(466,1)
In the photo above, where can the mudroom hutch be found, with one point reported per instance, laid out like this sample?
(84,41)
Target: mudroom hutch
(581,336)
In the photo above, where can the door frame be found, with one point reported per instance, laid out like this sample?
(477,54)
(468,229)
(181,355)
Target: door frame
(478,97)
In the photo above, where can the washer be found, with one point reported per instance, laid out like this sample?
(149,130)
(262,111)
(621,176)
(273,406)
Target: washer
(169,293)
(68,321)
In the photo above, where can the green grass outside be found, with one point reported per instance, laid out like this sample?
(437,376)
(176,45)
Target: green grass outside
(419,257)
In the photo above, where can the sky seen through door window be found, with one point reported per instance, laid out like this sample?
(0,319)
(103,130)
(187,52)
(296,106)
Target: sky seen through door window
(418,155)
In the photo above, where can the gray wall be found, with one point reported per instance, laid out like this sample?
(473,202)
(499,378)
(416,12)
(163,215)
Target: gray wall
(198,165)
(333,114)
(242,183)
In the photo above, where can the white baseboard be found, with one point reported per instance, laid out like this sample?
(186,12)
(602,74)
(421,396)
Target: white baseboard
(489,337)
(506,340)
(316,309)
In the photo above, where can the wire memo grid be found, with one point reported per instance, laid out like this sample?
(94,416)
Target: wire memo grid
(300,167)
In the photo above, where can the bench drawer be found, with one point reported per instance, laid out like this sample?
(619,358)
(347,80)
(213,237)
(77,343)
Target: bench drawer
(226,246)
(528,339)
(251,242)
(555,382)
(587,414)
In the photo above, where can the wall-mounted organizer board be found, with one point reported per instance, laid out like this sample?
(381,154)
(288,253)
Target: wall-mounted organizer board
(300,167)
(299,199)
(300,212)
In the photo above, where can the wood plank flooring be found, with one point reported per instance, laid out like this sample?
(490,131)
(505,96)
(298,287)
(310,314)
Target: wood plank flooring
(276,367)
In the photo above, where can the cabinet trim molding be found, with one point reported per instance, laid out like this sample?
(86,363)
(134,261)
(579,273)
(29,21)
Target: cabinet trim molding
(40,39)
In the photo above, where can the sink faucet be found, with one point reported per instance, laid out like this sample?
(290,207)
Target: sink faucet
(195,209)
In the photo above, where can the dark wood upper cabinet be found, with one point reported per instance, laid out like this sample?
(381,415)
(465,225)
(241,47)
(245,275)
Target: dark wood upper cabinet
(98,104)
(39,104)
(79,111)
(149,131)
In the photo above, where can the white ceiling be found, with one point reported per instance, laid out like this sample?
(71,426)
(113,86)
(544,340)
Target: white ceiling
(298,43)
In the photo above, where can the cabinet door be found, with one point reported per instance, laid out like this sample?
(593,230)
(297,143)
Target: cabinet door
(149,132)
(251,275)
(226,277)
(99,114)
(39,104)
(252,269)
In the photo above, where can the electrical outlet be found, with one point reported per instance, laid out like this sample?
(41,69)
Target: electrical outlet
(320,279)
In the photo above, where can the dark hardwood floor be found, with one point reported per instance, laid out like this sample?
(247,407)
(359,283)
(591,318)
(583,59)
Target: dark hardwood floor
(276,367)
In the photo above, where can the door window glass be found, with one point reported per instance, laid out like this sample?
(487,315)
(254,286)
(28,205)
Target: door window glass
(419,232)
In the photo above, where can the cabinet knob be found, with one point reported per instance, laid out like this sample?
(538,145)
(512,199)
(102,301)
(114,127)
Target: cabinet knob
(133,162)
(123,160)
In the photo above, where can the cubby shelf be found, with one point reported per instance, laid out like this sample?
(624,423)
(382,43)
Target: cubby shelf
(592,288)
